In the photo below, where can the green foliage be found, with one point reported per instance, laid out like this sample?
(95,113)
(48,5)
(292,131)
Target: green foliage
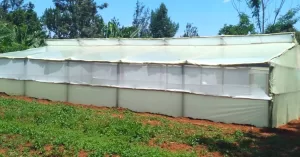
(265,14)
(113,29)
(255,6)
(285,23)
(69,130)
(190,31)
(100,132)
(74,19)
(161,24)
(14,38)
(242,28)
(20,27)
(141,18)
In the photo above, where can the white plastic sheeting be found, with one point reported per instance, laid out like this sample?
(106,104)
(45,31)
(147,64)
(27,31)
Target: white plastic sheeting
(135,52)
(12,68)
(221,81)
(158,64)
(197,75)
(285,87)
(199,41)
(240,111)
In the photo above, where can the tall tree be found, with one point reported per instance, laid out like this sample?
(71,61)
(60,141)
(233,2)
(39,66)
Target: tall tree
(141,18)
(263,11)
(161,24)
(25,16)
(244,27)
(74,19)
(285,23)
(10,5)
(190,31)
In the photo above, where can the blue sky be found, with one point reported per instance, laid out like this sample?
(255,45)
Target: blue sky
(208,15)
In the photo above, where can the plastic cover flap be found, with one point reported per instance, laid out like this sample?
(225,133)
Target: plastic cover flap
(46,71)
(237,82)
(104,74)
(12,68)
(80,72)
(174,77)
(286,72)
(138,75)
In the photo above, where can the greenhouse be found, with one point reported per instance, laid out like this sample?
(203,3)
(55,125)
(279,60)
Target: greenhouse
(251,79)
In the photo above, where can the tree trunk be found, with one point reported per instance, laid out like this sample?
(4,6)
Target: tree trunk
(263,17)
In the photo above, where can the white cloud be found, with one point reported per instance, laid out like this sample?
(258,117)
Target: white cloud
(226,1)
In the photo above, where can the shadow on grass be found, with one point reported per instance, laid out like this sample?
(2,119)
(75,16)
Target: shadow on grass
(281,142)
(266,143)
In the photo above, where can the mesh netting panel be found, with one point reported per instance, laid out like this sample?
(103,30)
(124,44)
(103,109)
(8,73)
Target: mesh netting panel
(204,80)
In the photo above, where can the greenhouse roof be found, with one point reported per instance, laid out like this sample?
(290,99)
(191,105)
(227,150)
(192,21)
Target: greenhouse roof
(219,50)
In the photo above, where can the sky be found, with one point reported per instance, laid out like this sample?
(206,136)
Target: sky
(208,15)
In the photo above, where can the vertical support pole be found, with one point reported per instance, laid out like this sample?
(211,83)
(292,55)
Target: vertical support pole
(183,89)
(201,76)
(223,76)
(92,74)
(118,85)
(252,74)
(68,82)
(167,76)
(271,104)
(25,77)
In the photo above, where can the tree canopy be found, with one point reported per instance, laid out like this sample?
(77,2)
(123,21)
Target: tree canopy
(161,24)
(141,19)
(244,27)
(267,15)
(20,27)
(74,19)
(190,30)
(285,23)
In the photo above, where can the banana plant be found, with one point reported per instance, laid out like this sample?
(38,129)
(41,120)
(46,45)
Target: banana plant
(5,31)
(13,38)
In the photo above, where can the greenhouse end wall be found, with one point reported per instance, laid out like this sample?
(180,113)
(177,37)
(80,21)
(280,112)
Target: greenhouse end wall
(285,87)
(177,104)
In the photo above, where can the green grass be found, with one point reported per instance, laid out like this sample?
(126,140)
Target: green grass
(27,128)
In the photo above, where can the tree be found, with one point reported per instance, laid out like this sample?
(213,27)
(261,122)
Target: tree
(7,39)
(74,19)
(113,29)
(244,27)
(285,23)
(141,18)
(25,16)
(20,26)
(190,31)
(14,38)
(161,24)
(262,11)
(10,5)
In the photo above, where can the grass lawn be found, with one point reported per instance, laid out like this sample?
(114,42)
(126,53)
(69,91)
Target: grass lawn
(33,128)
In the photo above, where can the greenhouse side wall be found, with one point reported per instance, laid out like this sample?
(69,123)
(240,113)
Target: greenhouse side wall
(158,89)
(285,87)
(12,87)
